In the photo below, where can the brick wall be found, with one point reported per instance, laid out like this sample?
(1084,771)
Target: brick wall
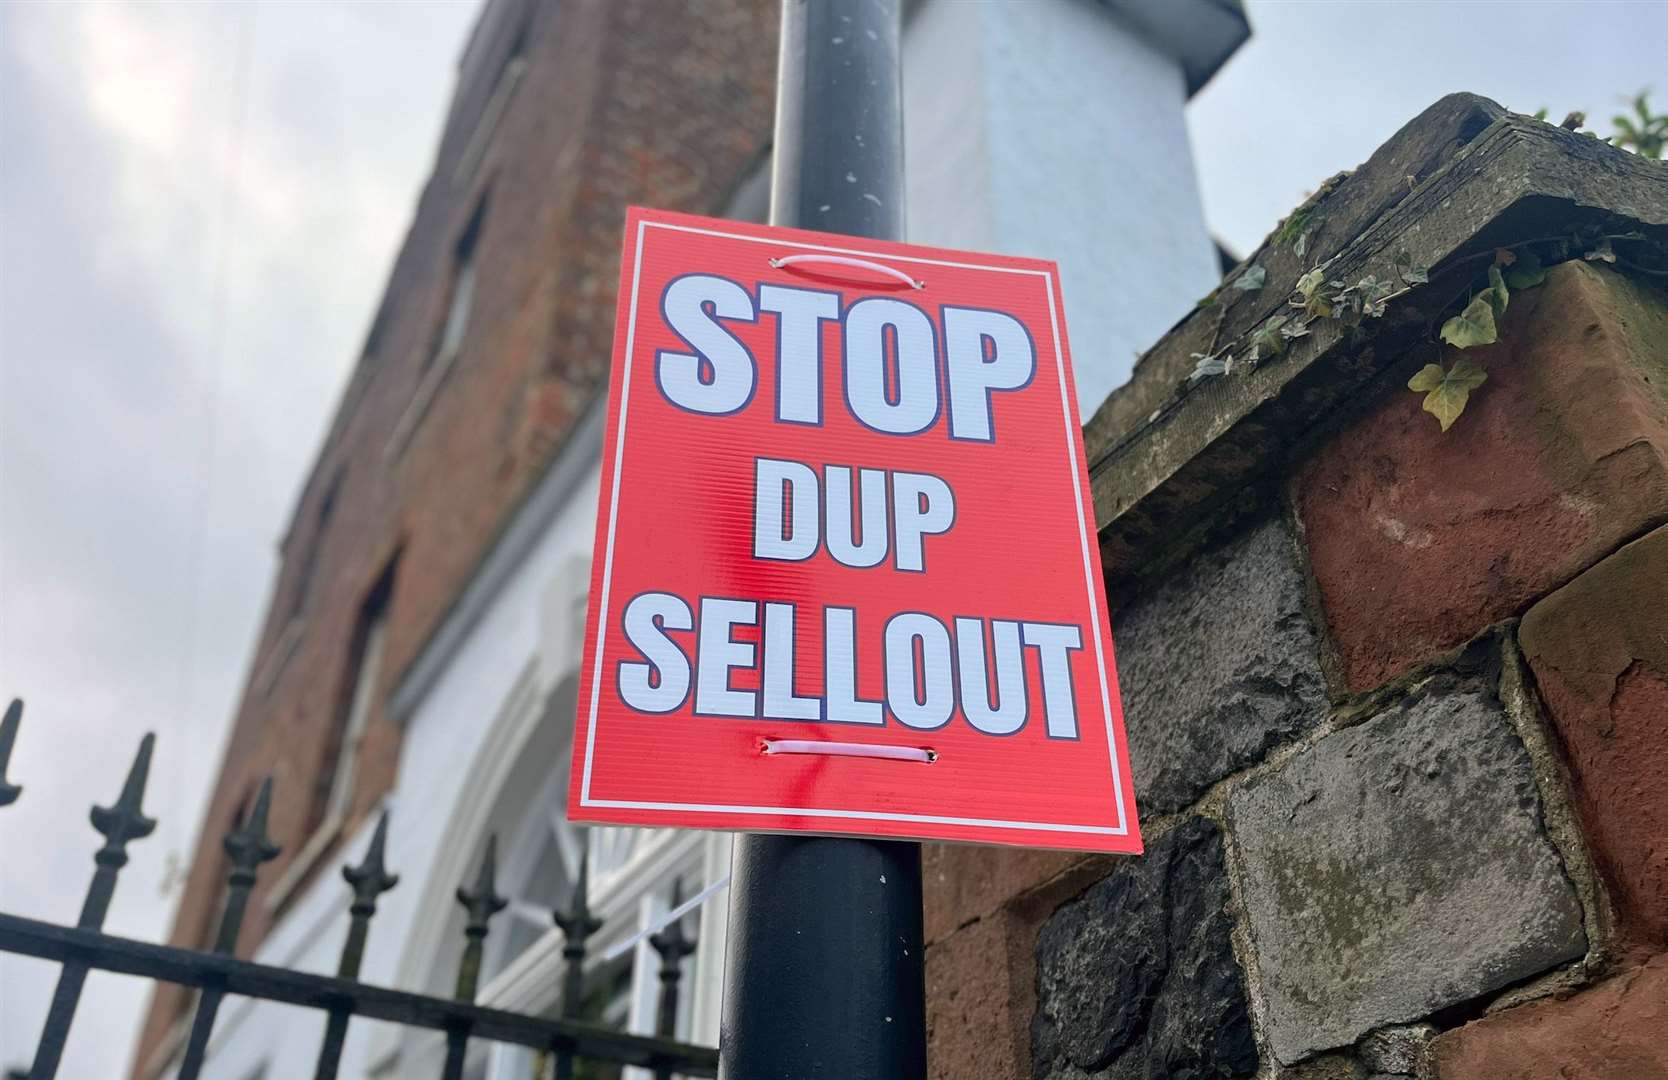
(1397,707)
(620,101)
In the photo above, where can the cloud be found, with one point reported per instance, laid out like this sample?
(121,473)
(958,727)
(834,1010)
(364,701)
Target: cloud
(200,204)
(1319,87)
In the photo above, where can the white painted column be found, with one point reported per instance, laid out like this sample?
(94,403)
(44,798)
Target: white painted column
(707,983)
(1053,130)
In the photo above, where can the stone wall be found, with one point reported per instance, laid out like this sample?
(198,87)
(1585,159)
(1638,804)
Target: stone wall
(1397,699)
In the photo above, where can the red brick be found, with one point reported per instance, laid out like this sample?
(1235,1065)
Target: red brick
(1599,650)
(962,882)
(1617,1030)
(1419,539)
(981,992)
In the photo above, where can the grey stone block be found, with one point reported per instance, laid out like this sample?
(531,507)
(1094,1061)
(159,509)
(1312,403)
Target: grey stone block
(1397,868)
(1217,665)
(1137,978)
(1396,1051)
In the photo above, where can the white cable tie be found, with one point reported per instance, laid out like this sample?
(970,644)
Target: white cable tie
(846,260)
(623,947)
(850,749)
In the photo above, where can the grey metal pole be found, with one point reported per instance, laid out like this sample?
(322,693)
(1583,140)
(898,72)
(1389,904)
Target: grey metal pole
(823,977)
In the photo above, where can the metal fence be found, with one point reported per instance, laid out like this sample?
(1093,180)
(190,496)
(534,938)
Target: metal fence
(215,974)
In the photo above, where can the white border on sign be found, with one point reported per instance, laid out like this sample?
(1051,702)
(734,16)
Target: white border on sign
(1121,829)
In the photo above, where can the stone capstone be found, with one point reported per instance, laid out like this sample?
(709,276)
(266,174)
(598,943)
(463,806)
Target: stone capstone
(1397,868)
(1136,978)
(1217,665)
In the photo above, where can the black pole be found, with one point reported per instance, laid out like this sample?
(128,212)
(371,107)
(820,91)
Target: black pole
(824,968)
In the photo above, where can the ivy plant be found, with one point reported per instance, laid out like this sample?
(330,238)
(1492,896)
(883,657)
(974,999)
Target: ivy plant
(1447,388)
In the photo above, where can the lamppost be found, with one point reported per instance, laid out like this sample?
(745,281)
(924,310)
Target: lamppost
(824,968)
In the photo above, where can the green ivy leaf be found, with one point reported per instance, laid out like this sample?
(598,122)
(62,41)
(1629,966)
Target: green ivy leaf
(1319,306)
(1268,341)
(1374,295)
(1498,295)
(1252,279)
(1308,283)
(1473,326)
(1293,226)
(1207,367)
(1446,392)
(1526,272)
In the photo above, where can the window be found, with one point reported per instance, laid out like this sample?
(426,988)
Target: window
(308,562)
(449,342)
(489,73)
(538,866)
(332,795)
(277,658)
(463,291)
(334,789)
(504,88)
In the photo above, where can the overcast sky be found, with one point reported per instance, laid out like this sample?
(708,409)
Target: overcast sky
(198,205)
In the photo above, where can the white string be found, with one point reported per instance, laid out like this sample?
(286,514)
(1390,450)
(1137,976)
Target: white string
(621,948)
(849,749)
(846,260)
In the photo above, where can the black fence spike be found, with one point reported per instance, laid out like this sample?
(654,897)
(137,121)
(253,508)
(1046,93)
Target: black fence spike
(673,946)
(249,846)
(124,821)
(369,880)
(577,925)
(247,843)
(120,824)
(8,738)
(482,902)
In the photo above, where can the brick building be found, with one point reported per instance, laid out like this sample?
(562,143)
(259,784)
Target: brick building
(491,339)
(420,645)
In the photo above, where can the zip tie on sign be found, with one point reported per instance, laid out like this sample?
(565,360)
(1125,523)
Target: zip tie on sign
(623,947)
(846,260)
(848,749)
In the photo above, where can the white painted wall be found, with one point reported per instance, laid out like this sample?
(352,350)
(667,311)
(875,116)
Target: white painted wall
(1050,129)
(482,742)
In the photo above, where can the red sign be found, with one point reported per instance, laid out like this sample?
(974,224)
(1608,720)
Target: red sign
(846,574)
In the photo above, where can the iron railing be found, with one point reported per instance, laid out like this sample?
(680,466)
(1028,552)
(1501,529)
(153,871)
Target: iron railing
(215,974)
